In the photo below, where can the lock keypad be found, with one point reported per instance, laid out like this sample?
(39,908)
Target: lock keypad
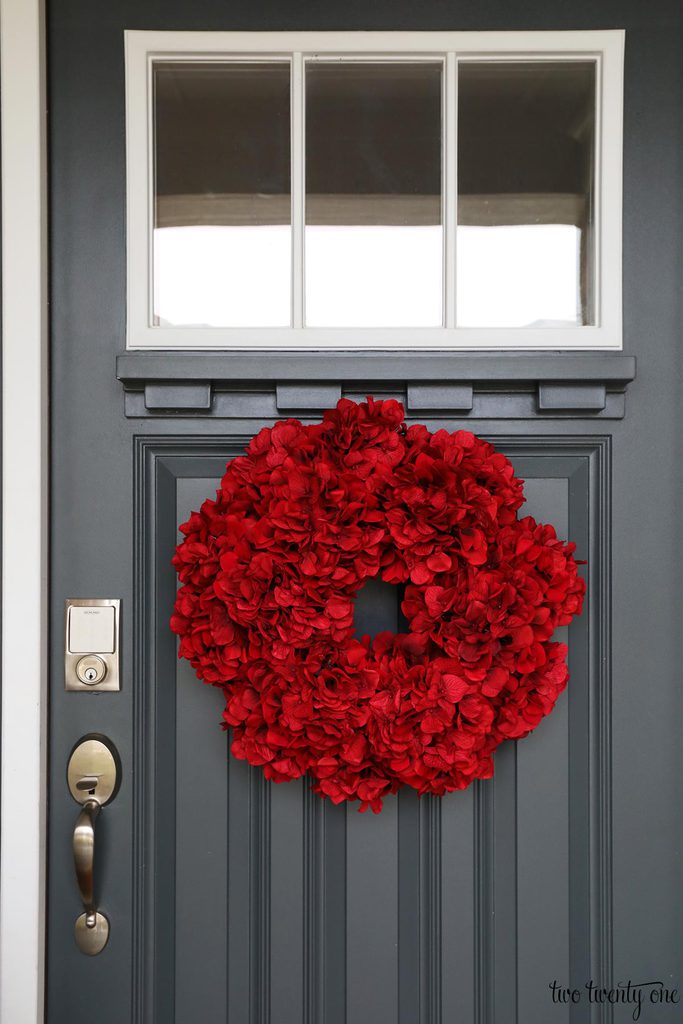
(92,644)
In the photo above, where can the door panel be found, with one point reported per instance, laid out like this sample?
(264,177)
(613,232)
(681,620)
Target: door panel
(269,903)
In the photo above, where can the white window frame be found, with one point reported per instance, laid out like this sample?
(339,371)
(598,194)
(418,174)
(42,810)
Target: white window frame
(144,48)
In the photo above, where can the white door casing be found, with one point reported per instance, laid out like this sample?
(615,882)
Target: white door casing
(24,511)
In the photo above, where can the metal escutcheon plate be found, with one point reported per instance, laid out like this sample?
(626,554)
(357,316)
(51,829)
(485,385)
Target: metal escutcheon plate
(91,941)
(94,758)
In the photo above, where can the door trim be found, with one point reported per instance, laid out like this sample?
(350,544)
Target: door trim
(24,511)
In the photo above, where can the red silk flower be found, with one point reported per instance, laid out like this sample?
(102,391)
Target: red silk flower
(269,571)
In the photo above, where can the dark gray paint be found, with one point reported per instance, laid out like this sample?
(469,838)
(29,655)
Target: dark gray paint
(472,883)
(165,397)
(613,368)
(491,385)
(306,397)
(316,894)
(421,397)
(483,402)
(590,397)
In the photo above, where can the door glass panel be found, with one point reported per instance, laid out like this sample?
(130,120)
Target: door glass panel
(222,221)
(373,236)
(525,238)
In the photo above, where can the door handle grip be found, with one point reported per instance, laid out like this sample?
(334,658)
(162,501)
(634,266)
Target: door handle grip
(84,858)
(93,775)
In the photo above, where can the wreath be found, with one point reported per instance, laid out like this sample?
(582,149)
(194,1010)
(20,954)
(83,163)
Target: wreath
(269,571)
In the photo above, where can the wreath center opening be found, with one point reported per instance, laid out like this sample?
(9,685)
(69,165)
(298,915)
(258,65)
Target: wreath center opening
(377,609)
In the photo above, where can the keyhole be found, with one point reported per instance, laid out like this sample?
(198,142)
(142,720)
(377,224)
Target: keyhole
(89,783)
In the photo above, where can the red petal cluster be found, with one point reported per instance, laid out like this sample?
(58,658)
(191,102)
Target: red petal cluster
(269,571)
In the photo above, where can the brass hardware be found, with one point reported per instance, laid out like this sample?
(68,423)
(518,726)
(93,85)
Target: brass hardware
(94,759)
(84,857)
(87,784)
(92,644)
(91,669)
(91,939)
(93,775)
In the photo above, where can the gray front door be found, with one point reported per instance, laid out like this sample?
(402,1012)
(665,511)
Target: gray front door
(234,900)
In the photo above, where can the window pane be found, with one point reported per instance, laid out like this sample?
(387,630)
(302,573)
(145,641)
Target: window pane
(373,194)
(222,227)
(525,241)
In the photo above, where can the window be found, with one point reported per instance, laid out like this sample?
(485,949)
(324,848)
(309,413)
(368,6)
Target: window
(222,235)
(374,190)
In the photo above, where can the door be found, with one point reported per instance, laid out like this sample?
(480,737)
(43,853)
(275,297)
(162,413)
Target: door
(230,898)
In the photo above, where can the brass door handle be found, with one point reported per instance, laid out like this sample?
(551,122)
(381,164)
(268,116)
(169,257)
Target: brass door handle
(84,858)
(93,775)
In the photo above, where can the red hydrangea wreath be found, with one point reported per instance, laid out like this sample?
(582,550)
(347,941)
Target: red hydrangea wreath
(265,610)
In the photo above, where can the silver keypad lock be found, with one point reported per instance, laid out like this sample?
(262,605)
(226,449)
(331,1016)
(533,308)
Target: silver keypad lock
(91,644)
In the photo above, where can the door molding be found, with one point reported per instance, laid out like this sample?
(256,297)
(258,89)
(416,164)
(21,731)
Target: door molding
(24,511)
(565,385)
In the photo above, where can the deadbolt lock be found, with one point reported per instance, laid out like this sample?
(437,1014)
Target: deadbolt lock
(91,670)
(92,642)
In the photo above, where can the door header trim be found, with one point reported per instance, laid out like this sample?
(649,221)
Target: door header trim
(501,367)
(566,385)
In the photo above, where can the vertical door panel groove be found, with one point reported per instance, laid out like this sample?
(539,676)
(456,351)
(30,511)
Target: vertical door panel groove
(259,889)
(484,969)
(314,908)
(433,830)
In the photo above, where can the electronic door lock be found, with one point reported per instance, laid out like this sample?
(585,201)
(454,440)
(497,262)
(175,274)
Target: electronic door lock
(91,644)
